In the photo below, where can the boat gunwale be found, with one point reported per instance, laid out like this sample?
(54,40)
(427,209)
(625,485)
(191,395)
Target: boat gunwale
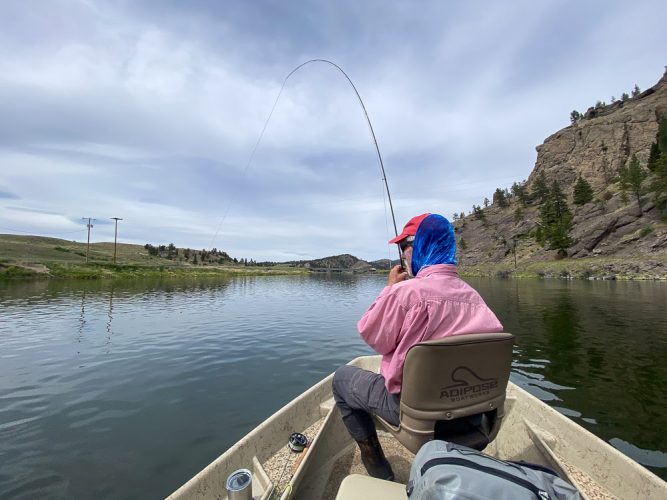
(190,487)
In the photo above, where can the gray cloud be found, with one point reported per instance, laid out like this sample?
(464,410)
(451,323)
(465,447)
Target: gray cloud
(9,196)
(32,210)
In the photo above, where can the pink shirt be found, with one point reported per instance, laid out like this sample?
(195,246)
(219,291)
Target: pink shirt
(435,304)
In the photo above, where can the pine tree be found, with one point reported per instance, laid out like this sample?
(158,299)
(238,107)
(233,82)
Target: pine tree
(540,188)
(661,138)
(653,157)
(499,198)
(486,202)
(556,219)
(583,192)
(636,91)
(171,251)
(631,178)
(519,190)
(659,182)
(478,213)
(659,146)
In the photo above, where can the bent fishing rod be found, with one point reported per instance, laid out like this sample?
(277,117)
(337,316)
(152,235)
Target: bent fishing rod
(370,127)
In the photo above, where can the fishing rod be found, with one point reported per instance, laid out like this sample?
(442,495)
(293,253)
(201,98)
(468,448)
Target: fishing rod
(368,121)
(370,127)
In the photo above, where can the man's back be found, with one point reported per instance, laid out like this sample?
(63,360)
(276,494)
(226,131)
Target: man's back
(435,304)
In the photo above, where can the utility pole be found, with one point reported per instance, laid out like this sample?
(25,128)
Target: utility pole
(115,237)
(89,225)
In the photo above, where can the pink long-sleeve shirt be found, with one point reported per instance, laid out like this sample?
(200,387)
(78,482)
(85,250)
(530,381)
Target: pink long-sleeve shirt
(435,304)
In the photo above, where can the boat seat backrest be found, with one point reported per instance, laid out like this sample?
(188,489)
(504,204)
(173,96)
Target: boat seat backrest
(454,388)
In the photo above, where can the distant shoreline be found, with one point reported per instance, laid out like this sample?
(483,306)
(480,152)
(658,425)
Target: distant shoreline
(579,269)
(40,258)
(95,271)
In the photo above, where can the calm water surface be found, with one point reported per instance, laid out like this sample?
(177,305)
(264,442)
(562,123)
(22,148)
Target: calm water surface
(126,390)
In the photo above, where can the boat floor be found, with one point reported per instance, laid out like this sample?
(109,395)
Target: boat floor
(350,463)
(281,467)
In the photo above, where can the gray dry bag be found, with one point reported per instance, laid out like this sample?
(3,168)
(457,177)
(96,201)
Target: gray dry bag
(448,471)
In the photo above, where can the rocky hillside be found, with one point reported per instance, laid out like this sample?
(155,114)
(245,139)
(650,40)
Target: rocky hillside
(596,146)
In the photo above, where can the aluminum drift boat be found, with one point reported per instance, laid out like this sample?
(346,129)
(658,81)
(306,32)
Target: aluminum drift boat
(531,431)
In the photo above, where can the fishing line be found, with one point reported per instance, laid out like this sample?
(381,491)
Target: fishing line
(368,121)
(386,226)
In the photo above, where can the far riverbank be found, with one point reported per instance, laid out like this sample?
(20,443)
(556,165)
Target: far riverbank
(39,258)
(583,269)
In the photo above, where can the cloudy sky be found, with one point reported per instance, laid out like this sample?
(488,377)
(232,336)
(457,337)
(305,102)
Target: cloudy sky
(150,110)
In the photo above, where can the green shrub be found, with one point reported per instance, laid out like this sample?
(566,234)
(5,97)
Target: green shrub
(585,273)
(11,272)
(645,231)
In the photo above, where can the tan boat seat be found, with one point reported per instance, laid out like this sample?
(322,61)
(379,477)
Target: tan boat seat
(454,389)
(355,487)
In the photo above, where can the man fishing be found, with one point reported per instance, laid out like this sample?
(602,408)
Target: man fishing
(436,304)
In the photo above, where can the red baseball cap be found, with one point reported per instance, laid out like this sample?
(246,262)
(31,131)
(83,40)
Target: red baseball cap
(410,228)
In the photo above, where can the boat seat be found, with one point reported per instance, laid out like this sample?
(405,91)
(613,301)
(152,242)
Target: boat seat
(356,486)
(454,389)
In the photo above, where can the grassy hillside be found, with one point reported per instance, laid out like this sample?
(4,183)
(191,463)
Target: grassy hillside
(36,256)
(37,249)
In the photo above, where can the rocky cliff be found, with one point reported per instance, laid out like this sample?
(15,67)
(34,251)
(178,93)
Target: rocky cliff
(611,227)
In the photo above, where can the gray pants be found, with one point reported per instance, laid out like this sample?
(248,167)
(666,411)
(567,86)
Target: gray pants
(358,394)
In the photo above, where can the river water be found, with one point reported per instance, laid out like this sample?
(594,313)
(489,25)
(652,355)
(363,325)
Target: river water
(127,389)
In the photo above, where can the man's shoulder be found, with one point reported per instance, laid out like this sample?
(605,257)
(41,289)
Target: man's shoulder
(447,287)
(406,289)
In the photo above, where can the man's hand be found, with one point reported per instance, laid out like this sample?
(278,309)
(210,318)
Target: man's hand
(396,275)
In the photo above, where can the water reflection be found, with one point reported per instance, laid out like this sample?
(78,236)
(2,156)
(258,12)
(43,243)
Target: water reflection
(110,318)
(595,351)
(562,329)
(82,317)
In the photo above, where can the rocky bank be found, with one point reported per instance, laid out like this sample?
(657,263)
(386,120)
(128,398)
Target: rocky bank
(610,235)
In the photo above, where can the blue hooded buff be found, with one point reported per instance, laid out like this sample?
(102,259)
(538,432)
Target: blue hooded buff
(435,243)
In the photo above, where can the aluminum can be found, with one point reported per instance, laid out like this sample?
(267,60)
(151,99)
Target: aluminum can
(239,485)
